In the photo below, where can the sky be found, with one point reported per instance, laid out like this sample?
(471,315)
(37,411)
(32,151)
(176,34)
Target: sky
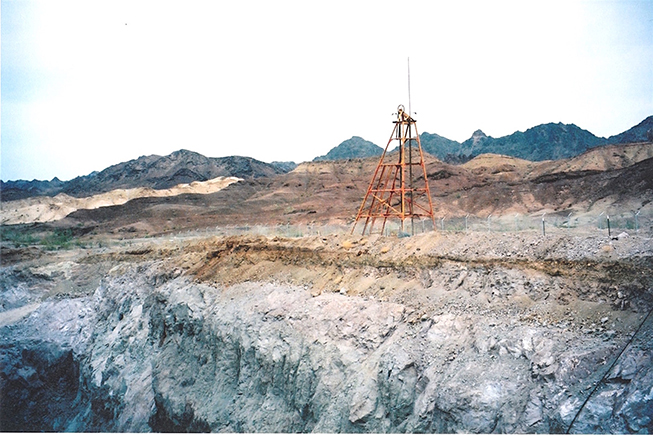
(87,84)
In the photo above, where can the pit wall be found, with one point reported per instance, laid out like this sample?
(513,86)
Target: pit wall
(153,349)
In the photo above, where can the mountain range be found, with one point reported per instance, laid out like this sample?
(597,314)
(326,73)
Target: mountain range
(551,141)
(157,172)
(355,147)
(613,178)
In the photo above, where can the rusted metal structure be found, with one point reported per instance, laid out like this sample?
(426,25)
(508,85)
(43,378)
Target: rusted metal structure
(399,188)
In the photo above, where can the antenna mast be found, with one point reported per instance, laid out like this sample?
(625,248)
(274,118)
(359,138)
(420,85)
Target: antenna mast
(410,113)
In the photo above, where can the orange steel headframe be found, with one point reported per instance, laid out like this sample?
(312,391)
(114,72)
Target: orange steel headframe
(393,192)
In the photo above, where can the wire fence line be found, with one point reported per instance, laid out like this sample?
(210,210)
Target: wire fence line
(610,223)
(602,223)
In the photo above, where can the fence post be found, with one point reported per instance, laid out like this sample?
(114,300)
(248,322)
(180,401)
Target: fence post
(466,222)
(608,219)
(637,221)
(543,226)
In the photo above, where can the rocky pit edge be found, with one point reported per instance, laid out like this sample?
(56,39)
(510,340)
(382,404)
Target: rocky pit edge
(434,333)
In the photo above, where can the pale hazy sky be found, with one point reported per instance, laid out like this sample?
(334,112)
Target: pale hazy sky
(87,84)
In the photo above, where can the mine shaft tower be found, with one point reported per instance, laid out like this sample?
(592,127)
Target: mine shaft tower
(399,189)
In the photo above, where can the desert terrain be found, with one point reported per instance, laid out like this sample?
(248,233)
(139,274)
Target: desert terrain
(613,180)
(49,209)
(253,309)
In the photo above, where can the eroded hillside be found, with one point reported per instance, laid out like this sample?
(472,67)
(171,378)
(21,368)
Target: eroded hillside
(49,209)
(611,179)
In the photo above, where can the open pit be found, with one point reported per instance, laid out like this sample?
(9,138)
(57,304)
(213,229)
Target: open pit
(440,332)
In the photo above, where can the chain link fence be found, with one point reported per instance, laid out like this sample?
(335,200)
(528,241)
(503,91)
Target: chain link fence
(283,230)
(611,224)
(603,223)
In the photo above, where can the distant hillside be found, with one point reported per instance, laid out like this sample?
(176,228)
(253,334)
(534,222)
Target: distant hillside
(353,148)
(158,172)
(284,166)
(543,142)
(20,189)
(642,132)
(445,149)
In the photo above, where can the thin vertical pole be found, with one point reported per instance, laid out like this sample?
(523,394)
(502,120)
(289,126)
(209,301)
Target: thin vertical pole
(410,112)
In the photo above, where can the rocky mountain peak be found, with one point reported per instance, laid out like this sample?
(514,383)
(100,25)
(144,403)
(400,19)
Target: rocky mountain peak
(183,153)
(477,136)
(356,147)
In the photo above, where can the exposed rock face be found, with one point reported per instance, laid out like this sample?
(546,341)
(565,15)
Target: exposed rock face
(638,133)
(477,137)
(284,166)
(157,347)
